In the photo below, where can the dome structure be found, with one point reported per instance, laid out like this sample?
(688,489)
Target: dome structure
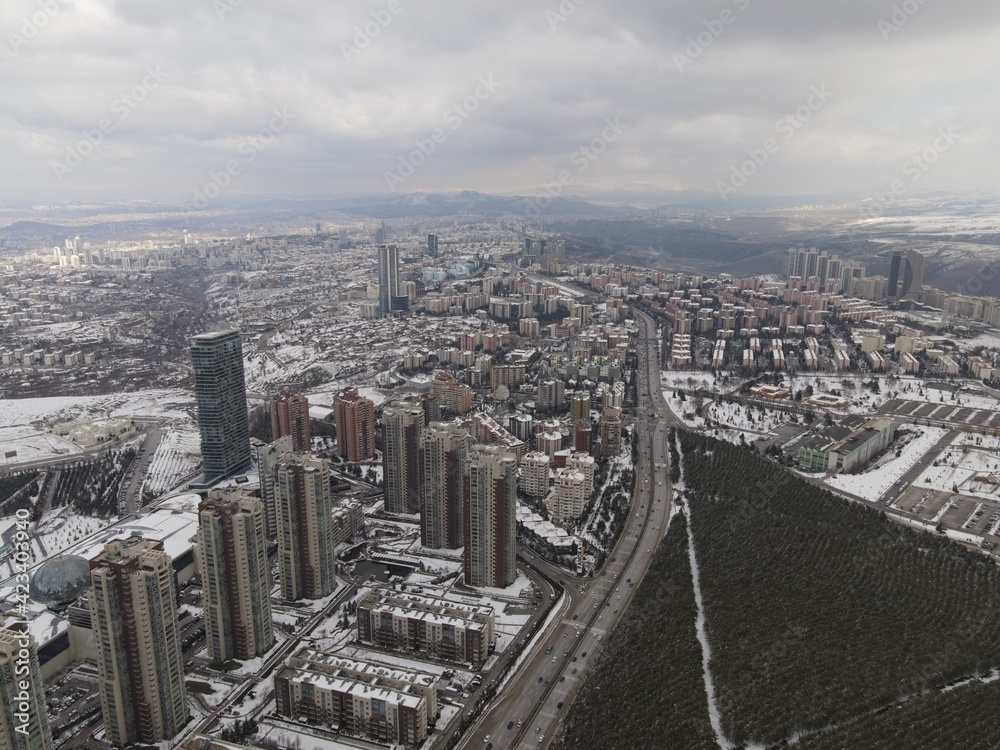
(60,580)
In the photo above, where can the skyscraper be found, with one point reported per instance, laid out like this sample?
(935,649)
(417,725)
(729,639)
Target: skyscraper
(388,278)
(23,714)
(892,288)
(220,391)
(432,245)
(133,611)
(913,275)
(354,416)
(490,524)
(290,416)
(401,426)
(235,576)
(444,451)
(611,431)
(305,528)
(268,457)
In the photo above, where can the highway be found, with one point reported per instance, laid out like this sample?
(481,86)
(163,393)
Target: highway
(529,711)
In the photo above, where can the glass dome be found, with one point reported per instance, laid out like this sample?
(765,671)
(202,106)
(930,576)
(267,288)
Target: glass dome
(60,580)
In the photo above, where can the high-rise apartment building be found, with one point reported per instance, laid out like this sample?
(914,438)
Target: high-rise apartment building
(453,398)
(444,451)
(585,464)
(570,496)
(490,517)
(133,612)
(269,455)
(389,288)
(220,391)
(551,394)
(305,528)
(354,416)
(535,474)
(290,416)
(24,721)
(235,576)
(611,431)
(401,426)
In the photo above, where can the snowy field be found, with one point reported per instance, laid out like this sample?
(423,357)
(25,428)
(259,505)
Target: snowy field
(969,458)
(746,419)
(872,484)
(61,528)
(177,456)
(25,423)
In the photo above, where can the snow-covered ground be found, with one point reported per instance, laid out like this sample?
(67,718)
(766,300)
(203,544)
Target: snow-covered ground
(25,423)
(749,419)
(61,528)
(872,484)
(958,466)
(177,457)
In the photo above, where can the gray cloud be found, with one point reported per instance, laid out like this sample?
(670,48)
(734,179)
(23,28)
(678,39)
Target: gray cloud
(362,99)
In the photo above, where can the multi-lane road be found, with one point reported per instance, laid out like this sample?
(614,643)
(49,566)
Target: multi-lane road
(529,711)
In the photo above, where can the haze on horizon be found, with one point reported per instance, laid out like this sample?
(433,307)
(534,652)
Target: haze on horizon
(129,99)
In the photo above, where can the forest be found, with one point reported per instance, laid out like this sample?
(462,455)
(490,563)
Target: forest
(647,690)
(819,610)
(830,625)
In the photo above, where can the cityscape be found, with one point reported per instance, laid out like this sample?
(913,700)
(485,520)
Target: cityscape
(375,509)
(560,376)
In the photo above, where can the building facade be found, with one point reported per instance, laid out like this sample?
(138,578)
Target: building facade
(427,624)
(220,391)
(401,426)
(354,416)
(366,699)
(535,474)
(490,524)
(235,576)
(24,723)
(133,610)
(290,416)
(444,452)
(453,398)
(268,457)
(305,528)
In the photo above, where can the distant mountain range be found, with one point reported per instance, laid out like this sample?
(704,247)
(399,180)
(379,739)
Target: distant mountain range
(473,202)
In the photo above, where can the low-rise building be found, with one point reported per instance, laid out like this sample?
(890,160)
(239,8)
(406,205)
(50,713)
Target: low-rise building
(426,623)
(372,700)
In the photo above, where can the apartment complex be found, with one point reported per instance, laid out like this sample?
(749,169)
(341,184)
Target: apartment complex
(235,575)
(366,699)
(305,527)
(490,524)
(220,392)
(453,398)
(426,623)
(444,451)
(401,426)
(290,416)
(24,721)
(133,611)
(354,416)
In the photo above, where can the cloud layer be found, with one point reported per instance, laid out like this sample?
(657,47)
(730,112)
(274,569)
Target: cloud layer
(129,98)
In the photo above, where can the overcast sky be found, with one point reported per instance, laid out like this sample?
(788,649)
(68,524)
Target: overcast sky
(325,97)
